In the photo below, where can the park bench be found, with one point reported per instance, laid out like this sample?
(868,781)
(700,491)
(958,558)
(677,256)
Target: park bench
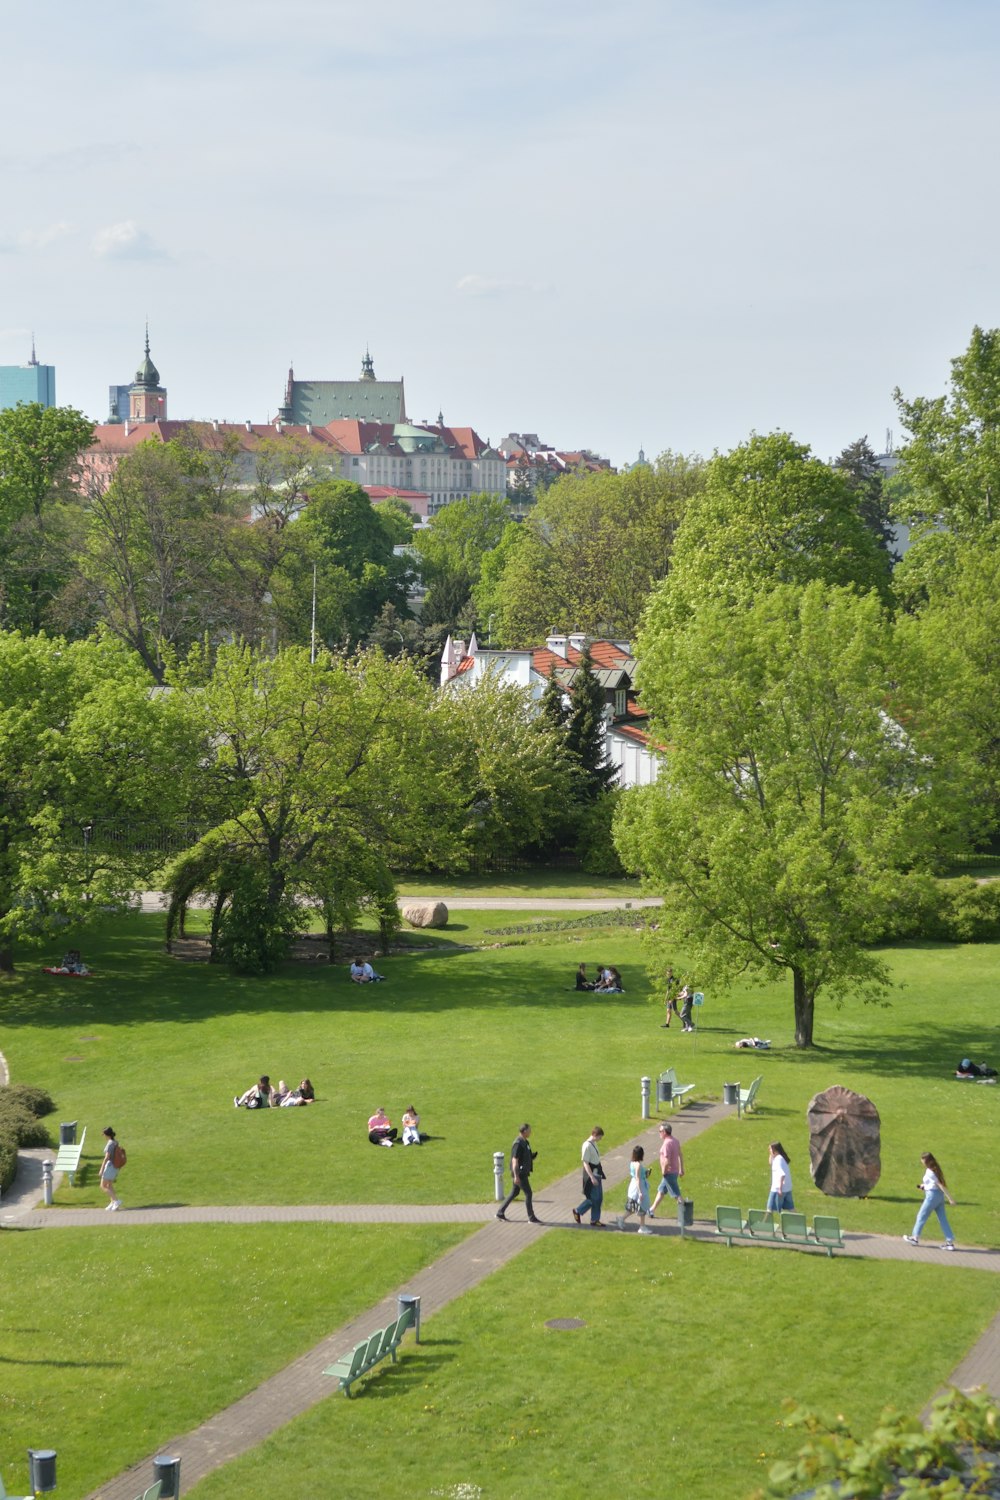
(762,1226)
(669,1090)
(371,1351)
(748,1096)
(68,1157)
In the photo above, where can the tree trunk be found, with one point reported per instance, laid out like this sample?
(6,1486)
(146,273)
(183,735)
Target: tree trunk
(6,961)
(804,1000)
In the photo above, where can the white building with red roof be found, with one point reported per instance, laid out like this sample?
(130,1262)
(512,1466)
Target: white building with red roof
(627,746)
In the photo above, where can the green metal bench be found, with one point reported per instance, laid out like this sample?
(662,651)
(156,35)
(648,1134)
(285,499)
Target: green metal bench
(371,1351)
(747,1097)
(729,1223)
(676,1089)
(826,1231)
(68,1158)
(795,1230)
(761,1225)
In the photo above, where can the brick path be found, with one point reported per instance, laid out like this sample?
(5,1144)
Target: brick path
(301,1385)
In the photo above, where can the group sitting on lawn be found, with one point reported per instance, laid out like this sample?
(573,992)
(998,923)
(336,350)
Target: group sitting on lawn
(70,963)
(608,981)
(262,1095)
(382,1132)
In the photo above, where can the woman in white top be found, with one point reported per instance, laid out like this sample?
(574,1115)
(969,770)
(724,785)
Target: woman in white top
(935,1191)
(780,1197)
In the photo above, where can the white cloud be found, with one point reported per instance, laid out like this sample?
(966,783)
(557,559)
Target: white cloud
(126,241)
(35,239)
(475,285)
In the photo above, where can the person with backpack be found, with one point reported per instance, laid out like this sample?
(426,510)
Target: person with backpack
(114,1160)
(522,1159)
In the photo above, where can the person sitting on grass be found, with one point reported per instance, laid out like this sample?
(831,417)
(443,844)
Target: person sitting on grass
(363,973)
(259,1096)
(610,982)
(582,982)
(304,1094)
(411,1127)
(381,1130)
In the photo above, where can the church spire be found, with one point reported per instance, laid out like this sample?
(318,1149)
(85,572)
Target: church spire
(367,368)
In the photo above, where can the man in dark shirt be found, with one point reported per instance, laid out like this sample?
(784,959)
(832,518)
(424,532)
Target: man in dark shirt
(521,1161)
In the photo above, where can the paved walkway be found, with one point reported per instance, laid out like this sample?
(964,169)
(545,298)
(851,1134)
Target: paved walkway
(301,1385)
(153,901)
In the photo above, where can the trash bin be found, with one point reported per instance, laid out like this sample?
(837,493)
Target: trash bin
(730,1093)
(664,1091)
(67,1133)
(168,1471)
(405,1300)
(685,1212)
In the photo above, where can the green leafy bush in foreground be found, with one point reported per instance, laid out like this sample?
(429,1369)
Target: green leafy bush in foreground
(954,1454)
(21,1105)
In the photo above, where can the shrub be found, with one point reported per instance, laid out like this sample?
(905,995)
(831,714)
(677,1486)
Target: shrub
(37,1100)
(17,1121)
(595,847)
(8,1157)
(962,911)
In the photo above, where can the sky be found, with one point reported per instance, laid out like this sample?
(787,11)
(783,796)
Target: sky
(653,224)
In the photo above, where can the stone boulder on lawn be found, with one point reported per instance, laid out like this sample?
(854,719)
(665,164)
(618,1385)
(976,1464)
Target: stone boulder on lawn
(425,913)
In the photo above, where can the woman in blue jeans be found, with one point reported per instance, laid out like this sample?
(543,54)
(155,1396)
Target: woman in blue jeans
(935,1191)
(779,1199)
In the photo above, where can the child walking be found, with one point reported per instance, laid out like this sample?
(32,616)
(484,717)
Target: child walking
(637,1201)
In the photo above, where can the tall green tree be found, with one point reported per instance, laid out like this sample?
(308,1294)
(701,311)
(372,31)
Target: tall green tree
(795,814)
(94,769)
(40,509)
(452,549)
(589,552)
(860,467)
(326,774)
(952,458)
(586,730)
(769,513)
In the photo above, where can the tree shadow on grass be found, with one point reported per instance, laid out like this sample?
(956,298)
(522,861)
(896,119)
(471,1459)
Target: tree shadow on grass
(137,982)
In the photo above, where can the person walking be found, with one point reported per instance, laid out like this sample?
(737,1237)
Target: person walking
(686,998)
(935,1191)
(671,1167)
(522,1159)
(670,999)
(637,1200)
(114,1160)
(779,1199)
(593,1179)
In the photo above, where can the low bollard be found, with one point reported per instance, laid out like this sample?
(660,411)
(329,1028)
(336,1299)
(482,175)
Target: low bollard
(644,1084)
(47,1183)
(168,1471)
(403,1301)
(498,1161)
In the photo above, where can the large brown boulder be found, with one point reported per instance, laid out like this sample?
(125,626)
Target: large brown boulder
(844,1143)
(425,913)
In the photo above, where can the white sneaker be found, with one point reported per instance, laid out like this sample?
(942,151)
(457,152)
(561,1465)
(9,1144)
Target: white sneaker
(949,1244)
(644,1229)
(910,1240)
(108,1207)
(619,1221)
(115,1205)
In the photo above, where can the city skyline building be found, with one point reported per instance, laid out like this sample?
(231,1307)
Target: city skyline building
(24,384)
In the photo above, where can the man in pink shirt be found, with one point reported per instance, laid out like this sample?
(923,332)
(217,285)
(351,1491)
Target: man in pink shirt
(671,1166)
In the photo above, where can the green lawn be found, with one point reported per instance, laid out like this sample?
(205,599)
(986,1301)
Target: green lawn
(674,1386)
(110,1348)
(481,1032)
(481,1040)
(545,883)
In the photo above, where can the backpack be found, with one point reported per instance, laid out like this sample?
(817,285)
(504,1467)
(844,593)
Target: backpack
(118,1156)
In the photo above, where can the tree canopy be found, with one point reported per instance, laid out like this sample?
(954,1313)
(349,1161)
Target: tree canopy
(795,813)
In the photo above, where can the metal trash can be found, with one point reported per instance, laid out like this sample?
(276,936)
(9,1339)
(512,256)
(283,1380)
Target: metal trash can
(685,1213)
(405,1300)
(67,1133)
(168,1471)
(42,1468)
(730,1093)
(664,1091)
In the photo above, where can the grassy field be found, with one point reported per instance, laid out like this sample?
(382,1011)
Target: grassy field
(480,1031)
(107,1352)
(479,1038)
(673,1386)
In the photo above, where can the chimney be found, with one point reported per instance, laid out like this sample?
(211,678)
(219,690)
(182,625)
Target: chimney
(249,427)
(309,428)
(215,423)
(127,427)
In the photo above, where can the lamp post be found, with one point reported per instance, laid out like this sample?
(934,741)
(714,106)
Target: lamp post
(489,630)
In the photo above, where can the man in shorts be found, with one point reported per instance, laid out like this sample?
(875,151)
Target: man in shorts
(671,1166)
